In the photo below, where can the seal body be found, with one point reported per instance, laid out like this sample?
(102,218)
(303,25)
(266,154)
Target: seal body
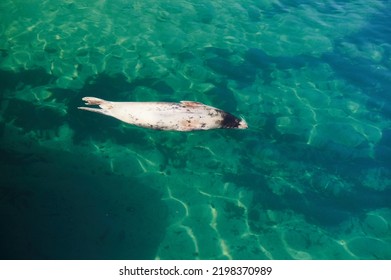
(182,116)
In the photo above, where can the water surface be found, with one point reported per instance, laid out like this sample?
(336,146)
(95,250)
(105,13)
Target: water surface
(310,178)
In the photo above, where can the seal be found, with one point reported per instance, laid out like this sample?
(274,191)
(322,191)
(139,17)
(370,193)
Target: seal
(182,116)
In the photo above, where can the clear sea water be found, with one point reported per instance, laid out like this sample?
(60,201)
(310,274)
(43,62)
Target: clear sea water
(309,179)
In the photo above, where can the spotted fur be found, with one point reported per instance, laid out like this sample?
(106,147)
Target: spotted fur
(182,116)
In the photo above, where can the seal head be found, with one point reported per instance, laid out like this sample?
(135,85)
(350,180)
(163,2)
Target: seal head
(230,121)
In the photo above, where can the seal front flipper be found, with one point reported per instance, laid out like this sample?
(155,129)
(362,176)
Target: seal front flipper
(191,103)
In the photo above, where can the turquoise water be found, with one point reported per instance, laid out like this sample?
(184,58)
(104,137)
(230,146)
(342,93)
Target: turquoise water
(309,179)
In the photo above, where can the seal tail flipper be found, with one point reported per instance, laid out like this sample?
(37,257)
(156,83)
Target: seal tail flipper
(100,111)
(93,101)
